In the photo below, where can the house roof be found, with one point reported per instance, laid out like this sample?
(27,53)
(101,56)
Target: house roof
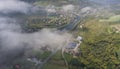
(71,45)
(79,38)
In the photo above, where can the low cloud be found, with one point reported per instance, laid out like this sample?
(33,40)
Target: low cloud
(13,41)
(9,6)
(67,8)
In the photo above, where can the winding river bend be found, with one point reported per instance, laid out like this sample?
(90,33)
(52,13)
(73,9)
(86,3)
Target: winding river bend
(72,24)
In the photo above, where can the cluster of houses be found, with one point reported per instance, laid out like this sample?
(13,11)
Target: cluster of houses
(73,47)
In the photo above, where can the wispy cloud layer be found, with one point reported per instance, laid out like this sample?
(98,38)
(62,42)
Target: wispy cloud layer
(9,6)
(13,41)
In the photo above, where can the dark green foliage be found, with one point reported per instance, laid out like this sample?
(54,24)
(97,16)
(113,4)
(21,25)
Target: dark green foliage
(99,49)
(76,64)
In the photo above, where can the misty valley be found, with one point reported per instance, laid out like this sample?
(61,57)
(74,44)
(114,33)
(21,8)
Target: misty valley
(59,34)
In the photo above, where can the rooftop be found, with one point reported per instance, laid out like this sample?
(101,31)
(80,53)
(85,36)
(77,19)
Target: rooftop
(71,45)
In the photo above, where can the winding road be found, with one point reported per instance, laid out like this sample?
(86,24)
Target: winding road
(72,24)
(68,27)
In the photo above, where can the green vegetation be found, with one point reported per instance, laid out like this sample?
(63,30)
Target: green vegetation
(54,2)
(112,19)
(23,63)
(56,62)
(46,3)
(100,49)
(43,56)
(34,23)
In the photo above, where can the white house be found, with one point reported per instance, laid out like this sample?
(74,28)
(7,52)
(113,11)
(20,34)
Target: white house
(79,38)
(73,47)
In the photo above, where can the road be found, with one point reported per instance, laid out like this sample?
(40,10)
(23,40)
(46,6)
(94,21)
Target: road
(40,66)
(63,50)
(72,24)
(68,27)
(64,56)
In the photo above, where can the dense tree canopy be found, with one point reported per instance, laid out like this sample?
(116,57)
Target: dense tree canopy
(100,49)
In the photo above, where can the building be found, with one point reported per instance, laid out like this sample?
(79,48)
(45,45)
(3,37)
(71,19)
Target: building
(73,47)
(79,38)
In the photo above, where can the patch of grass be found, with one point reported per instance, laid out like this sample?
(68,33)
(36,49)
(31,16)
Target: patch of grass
(51,2)
(24,64)
(111,19)
(43,55)
(53,66)
(41,3)
(56,62)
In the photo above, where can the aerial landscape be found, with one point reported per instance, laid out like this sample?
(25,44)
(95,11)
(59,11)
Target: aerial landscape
(59,34)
